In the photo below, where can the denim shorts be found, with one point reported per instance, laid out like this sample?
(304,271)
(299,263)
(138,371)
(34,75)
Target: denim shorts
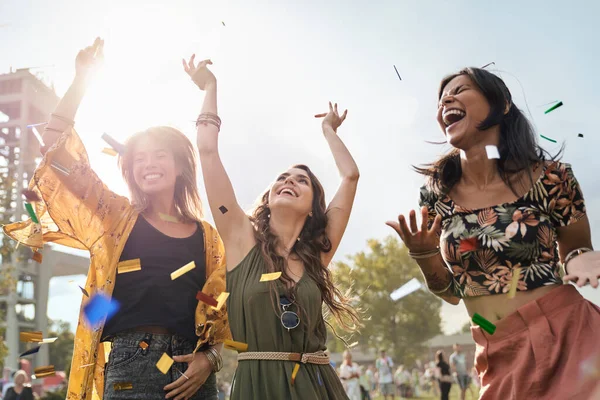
(463,381)
(130,363)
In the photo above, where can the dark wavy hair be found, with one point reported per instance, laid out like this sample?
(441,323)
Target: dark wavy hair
(312,242)
(518,146)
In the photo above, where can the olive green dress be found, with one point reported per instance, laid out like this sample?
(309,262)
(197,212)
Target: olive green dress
(254,320)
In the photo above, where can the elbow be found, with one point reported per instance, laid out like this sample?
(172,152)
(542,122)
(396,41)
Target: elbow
(352,176)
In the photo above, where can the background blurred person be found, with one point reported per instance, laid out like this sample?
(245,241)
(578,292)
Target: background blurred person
(21,390)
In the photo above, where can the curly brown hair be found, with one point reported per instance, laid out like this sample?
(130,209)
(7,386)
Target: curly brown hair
(312,242)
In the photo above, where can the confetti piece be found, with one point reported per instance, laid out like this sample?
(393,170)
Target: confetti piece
(41,372)
(38,136)
(233,345)
(85,293)
(31,213)
(168,218)
(40,124)
(37,257)
(548,139)
(223,209)
(143,345)
(223,23)
(112,153)
(118,147)
(580,135)
(30,351)
(49,340)
(514,282)
(406,289)
(488,64)
(107,350)
(554,107)
(484,324)
(203,297)
(100,307)
(129,266)
(492,152)
(60,168)
(397,73)
(164,363)
(123,386)
(30,195)
(183,270)
(295,372)
(319,377)
(35,337)
(221,300)
(270,277)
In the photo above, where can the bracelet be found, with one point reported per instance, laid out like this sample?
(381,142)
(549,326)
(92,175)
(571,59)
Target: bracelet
(215,359)
(205,122)
(425,254)
(209,118)
(63,119)
(574,253)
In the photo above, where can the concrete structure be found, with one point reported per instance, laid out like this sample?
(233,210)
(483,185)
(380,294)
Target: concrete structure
(24,100)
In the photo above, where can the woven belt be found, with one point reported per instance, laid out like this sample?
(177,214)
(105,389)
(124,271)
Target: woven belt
(312,358)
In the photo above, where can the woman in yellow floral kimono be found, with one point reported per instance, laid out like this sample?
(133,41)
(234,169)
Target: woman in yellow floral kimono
(134,247)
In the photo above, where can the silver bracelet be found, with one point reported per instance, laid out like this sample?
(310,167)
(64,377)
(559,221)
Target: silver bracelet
(574,253)
(425,254)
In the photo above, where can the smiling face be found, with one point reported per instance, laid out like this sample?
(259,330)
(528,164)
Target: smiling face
(154,167)
(462,108)
(293,189)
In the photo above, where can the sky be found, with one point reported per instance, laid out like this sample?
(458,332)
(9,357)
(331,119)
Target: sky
(278,63)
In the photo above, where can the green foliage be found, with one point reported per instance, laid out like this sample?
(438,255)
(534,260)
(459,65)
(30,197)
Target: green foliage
(61,351)
(402,326)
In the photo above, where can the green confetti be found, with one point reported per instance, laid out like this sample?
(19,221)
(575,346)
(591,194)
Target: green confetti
(548,139)
(554,107)
(31,213)
(484,324)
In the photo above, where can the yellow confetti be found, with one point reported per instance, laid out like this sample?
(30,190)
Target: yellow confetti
(129,266)
(233,345)
(107,349)
(123,386)
(221,300)
(143,345)
(295,372)
(31,337)
(516,275)
(270,277)
(37,257)
(164,363)
(42,372)
(183,270)
(109,151)
(168,218)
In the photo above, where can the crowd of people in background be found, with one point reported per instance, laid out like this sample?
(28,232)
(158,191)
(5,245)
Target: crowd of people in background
(385,379)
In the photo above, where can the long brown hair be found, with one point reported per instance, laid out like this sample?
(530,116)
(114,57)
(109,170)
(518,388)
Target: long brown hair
(312,242)
(518,147)
(187,198)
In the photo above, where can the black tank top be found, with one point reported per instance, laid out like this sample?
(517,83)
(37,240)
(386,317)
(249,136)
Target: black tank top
(149,296)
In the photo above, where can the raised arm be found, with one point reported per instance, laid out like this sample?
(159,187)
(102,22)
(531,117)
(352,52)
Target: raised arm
(63,116)
(338,211)
(232,223)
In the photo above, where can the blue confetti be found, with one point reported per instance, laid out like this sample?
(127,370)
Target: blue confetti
(98,308)
(30,351)
(319,376)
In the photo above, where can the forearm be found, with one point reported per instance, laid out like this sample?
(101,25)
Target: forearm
(438,277)
(207,133)
(343,159)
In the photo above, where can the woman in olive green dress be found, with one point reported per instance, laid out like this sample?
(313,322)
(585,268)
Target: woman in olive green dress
(292,232)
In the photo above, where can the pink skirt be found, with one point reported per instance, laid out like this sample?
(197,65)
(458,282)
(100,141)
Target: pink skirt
(547,349)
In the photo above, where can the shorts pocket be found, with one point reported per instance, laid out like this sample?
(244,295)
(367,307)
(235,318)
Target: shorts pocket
(122,356)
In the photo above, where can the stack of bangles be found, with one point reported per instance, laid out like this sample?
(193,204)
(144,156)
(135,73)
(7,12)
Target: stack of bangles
(214,358)
(209,118)
(67,121)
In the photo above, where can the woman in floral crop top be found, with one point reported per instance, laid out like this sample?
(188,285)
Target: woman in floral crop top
(499,206)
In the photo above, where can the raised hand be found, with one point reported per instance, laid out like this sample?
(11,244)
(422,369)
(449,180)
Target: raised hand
(584,269)
(332,118)
(89,59)
(417,240)
(200,73)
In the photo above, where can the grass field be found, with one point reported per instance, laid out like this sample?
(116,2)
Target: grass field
(454,395)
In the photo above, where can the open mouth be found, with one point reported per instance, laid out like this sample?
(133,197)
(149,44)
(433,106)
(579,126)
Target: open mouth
(152,177)
(452,116)
(287,192)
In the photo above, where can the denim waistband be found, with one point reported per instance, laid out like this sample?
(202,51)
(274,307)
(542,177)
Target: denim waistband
(155,341)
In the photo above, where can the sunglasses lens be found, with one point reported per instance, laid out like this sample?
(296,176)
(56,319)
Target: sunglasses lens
(284,301)
(290,320)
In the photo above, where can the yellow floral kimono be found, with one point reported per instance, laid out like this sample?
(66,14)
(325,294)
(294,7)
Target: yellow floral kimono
(79,211)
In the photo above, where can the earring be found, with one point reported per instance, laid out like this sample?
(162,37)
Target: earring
(297,240)
(310,214)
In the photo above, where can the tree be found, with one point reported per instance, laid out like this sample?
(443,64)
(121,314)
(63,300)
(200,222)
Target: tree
(61,351)
(399,327)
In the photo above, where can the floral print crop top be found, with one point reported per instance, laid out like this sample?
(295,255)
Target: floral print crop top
(482,247)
